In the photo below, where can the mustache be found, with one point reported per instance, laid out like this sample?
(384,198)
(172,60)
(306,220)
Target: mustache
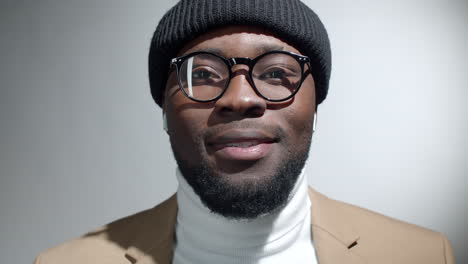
(273,130)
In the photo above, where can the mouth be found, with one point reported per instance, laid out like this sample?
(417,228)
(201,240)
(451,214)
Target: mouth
(241,145)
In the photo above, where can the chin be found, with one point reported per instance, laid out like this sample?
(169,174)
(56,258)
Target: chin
(246,178)
(245,193)
(245,170)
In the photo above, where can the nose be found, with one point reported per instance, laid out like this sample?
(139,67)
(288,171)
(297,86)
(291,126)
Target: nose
(240,99)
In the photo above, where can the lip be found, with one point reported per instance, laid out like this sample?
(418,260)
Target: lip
(236,144)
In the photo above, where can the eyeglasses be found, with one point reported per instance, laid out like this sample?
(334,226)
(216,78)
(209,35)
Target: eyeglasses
(276,75)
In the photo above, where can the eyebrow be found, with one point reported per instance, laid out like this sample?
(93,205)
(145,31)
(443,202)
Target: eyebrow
(264,48)
(268,47)
(216,51)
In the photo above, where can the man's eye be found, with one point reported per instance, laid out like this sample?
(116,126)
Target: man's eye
(274,74)
(201,74)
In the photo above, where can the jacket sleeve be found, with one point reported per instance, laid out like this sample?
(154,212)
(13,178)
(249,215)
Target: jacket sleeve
(448,251)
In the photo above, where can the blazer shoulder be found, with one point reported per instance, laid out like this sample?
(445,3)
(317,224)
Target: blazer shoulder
(368,219)
(106,244)
(381,235)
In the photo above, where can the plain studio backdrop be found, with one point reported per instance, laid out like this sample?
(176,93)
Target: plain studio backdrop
(82,144)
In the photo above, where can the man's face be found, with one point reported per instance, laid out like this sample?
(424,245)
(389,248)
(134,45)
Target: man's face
(241,153)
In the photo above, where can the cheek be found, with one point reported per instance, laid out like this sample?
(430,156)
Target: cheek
(185,125)
(300,125)
(186,122)
(303,108)
(300,113)
(185,130)
(182,123)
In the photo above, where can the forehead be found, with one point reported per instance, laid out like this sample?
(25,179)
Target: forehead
(237,41)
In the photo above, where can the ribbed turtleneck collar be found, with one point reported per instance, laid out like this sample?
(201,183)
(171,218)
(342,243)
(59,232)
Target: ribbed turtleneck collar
(206,237)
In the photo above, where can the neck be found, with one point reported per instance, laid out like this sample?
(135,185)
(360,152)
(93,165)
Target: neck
(200,230)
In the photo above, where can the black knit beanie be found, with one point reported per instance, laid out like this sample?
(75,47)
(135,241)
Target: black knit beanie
(290,20)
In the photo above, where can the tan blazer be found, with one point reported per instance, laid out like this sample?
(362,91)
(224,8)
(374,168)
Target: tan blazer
(342,234)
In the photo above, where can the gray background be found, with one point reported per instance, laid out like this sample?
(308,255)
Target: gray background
(82,144)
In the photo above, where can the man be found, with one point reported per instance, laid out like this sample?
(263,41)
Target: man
(239,83)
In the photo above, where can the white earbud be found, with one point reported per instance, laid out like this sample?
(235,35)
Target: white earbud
(314,122)
(164,122)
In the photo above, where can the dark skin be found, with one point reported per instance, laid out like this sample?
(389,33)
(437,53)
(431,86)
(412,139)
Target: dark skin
(195,128)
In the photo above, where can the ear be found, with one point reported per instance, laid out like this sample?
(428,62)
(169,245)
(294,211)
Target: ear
(314,122)
(164,119)
(163,108)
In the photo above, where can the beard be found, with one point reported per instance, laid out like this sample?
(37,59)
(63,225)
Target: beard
(252,197)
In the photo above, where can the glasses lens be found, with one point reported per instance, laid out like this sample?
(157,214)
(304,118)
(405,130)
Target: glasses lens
(277,76)
(203,76)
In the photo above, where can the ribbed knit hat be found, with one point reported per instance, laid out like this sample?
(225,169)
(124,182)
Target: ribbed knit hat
(290,20)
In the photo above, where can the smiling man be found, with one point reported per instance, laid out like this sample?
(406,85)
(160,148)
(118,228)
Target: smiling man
(244,141)
(239,83)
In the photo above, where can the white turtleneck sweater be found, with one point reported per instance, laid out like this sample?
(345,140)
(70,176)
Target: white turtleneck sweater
(203,237)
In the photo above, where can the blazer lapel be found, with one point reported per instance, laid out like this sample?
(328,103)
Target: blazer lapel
(155,239)
(334,238)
